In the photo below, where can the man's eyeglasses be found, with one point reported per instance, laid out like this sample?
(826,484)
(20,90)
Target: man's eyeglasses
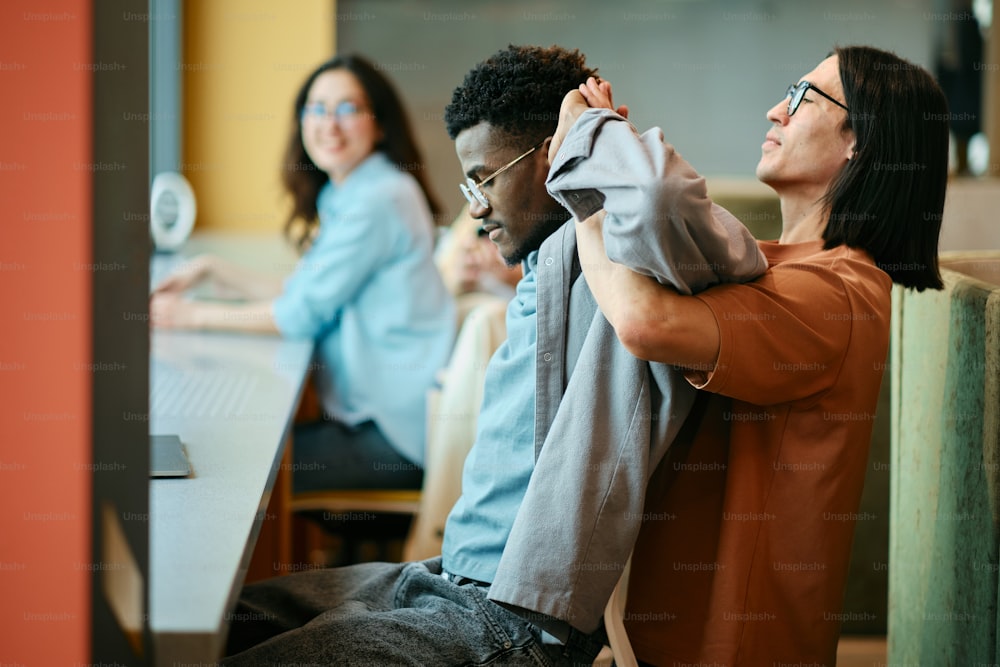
(797,91)
(342,111)
(471,188)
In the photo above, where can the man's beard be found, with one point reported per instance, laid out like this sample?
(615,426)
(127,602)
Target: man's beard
(533,241)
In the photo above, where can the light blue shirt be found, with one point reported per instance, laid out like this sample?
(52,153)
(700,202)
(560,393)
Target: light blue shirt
(368,292)
(500,464)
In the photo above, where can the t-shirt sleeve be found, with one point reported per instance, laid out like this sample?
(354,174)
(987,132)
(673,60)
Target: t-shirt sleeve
(353,243)
(782,337)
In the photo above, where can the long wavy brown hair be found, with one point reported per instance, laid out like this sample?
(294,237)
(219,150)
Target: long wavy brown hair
(303,179)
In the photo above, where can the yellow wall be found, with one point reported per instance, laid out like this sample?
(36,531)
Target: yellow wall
(243,62)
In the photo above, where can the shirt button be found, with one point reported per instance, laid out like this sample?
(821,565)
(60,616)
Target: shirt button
(549,261)
(575,196)
(547,356)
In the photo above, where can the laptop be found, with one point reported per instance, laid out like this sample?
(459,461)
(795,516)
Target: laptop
(194,388)
(167,457)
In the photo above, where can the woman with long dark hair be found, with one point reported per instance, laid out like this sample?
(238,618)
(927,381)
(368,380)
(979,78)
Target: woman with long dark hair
(365,289)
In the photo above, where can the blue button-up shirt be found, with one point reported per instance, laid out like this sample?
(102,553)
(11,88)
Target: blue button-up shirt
(368,292)
(499,466)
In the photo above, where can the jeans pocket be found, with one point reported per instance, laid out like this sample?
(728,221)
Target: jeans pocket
(518,641)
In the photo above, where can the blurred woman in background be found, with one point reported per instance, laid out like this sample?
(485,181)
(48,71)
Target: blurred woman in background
(365,289)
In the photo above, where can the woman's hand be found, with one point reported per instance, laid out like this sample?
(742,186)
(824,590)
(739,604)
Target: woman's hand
(593,94)
(230,281)
(481,264)
(169,310)
(188,275)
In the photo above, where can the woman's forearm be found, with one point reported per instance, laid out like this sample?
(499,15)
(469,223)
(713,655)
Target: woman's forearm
(171,311)
(248,283)
(254,317)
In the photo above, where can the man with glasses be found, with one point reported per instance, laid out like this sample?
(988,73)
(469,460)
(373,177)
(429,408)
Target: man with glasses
(763,496)
(571,424)
(570,428)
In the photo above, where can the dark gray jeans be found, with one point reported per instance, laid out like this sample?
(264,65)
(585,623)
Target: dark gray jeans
(387,614)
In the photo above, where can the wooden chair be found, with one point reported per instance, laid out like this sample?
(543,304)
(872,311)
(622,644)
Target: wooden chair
(452,411)
(619,652)
(303,537)
(398,501)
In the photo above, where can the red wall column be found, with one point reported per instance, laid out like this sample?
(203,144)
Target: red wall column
(45,328)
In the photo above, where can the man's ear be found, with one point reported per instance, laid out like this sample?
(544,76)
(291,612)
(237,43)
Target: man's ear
(544,150)
(850,145)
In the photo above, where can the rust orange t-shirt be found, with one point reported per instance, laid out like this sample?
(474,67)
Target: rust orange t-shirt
(743,554)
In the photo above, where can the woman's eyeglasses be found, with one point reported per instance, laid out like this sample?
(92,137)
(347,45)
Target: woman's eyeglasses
(340,112)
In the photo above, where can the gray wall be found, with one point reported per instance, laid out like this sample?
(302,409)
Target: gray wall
(705,71)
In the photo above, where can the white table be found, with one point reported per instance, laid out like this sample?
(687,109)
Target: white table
(203,528)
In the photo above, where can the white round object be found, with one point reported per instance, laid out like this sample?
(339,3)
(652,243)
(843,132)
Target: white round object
(171,210)
(979,154)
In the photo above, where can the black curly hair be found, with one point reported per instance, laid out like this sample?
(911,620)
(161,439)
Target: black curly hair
(518,90)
